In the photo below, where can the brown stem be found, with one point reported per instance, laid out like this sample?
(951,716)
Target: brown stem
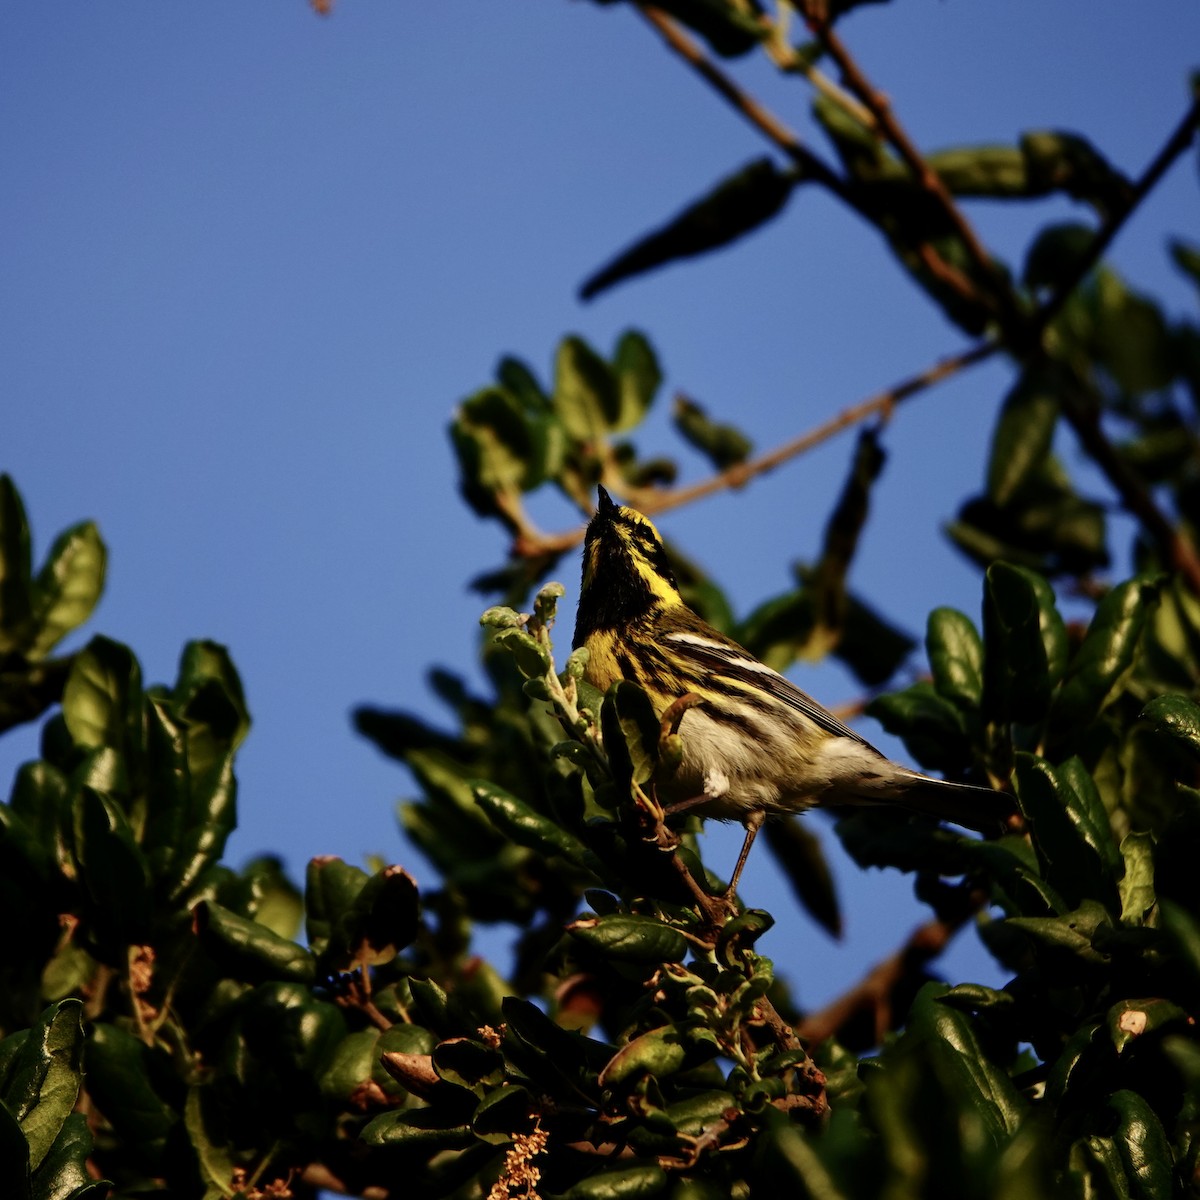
(1181,137)
(880,108)
(656,501)
(1083,415)
(757,114)
(873,993)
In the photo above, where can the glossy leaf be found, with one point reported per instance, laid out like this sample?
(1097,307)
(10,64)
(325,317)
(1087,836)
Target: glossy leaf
(629,937)
(1070,832)
(41,1081)
(1178,718)
(956,657)
(620,1183)
(1143,1147)
(527,827)
(1137,883)
(1099,666)
(68,586)
(103,696)
(250,950)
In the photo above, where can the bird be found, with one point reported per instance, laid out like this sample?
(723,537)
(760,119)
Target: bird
(755,745)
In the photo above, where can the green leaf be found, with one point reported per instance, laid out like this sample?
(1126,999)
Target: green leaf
(586,397)
(1056,254)
(1137,884)
(723,445)
(638,379)
(1142,1144)
(630,937)
(113,870)
(249,950)
(735,207)
(502,1113)
(64,1173)
(119,1075)
(972,1078)
(933,728)
(330,890)
(527,827)
(102,699)
(1024,433)
(956,657)
(1072,935)
(1016,670)
(68,586)
(1100,665)
(383,919)
(41,1081)
(1178,718)
(620,1183)
(1070,832)
(428,1130)
(1069,163)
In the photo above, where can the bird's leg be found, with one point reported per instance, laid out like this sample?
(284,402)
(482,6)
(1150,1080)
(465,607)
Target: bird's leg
(753,824)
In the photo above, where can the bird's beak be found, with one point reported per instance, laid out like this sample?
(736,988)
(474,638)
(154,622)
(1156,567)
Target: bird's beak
(606,506)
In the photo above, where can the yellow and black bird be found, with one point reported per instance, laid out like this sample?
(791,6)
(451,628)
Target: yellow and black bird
(756,745)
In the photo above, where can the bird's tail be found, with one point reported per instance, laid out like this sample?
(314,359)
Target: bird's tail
(978,808)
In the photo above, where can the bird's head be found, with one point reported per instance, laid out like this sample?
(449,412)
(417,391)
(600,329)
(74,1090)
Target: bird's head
(626,572)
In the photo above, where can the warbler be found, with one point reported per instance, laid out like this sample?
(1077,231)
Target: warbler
(756,745)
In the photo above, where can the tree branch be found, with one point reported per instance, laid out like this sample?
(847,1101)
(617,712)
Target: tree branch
(742,102)
(999,297)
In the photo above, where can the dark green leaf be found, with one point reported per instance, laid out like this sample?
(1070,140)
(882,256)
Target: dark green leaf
(527,827)
(1143,1147)
(1070,832)
(14,1158)
(1099,667)
(119,1079)
(1056,254)
(64,1174)
(1070,935)
(620,1183)
(735,207)
(424,1128)
(933,728)
(112,868)
(16,570)
(1024,433)
(723,445)
(1178,718)
(1016,676)
(250,950)
(1131,1019)
(730,29)
(1068,163)
(630,937)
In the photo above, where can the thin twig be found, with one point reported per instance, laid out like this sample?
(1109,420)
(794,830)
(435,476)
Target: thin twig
(926,176)
(756,113)
(657,501)
(873,992)
(1181,137)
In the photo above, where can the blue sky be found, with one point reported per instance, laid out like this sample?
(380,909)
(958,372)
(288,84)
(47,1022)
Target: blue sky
(252,259)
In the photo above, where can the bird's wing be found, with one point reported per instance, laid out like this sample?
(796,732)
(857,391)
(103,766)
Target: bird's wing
(727,658)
